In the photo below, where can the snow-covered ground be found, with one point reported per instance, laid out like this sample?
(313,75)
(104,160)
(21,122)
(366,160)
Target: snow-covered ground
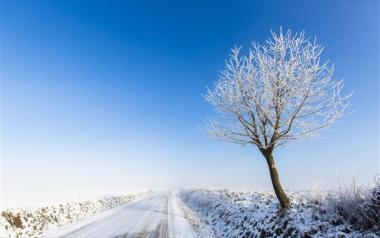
(200,214)
(32,220)
(147,216)
(185,223)
(254,214)
(154,214)
(161,214)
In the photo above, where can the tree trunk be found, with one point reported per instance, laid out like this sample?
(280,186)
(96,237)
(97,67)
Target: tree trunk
(281,196)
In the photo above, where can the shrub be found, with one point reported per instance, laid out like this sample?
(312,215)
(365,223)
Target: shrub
(360,206)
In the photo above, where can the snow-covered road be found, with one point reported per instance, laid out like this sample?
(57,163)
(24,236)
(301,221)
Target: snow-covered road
(158,215)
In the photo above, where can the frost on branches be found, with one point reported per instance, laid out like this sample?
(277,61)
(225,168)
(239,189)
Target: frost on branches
(279,91)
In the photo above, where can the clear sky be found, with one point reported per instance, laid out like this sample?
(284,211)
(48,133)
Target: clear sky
(107,95)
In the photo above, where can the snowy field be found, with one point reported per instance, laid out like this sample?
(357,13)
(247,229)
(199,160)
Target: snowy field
(255,214)
(200,214)
(153,214)
(32,217)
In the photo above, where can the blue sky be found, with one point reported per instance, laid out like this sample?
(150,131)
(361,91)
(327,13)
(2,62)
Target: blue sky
(108,95)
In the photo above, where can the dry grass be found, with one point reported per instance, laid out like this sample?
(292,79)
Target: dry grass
(359,205)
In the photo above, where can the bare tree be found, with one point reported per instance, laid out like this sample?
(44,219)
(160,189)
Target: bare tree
(278,92)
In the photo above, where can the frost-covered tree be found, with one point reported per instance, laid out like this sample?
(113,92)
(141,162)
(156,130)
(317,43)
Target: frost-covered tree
(279,92)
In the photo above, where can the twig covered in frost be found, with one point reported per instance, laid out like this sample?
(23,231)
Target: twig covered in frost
(279,91)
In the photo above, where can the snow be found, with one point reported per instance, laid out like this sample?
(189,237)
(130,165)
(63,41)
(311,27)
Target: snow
(178,225)
(188,214)
(61,231)
(184,223)
(160,214)
(143,214)
(33,220)
(255,214)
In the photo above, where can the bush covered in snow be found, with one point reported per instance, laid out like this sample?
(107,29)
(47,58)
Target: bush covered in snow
(31,222)
(360,206)
(237,214)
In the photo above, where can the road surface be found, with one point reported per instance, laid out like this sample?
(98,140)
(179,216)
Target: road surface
(158,215)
